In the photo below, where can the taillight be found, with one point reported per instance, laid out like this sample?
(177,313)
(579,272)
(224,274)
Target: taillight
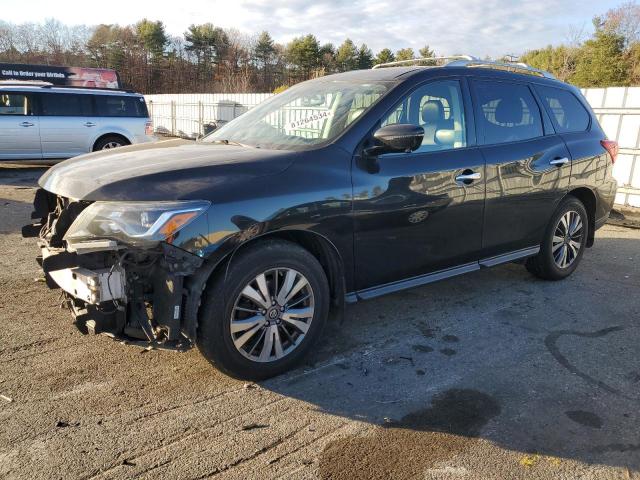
(148,128)
(611,147)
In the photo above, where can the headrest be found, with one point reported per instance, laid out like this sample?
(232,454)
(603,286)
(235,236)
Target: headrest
(432,112)
(509,110)
(445,137)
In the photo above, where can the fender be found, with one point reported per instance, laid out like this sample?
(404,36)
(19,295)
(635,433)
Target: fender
(222,258)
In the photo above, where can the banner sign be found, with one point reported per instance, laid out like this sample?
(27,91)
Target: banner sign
(62,76)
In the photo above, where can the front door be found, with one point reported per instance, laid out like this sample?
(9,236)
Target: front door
(19,127)
(420,212)
(528,166)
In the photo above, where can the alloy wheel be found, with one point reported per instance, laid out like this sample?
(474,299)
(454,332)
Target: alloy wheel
(567,239)
(272,315)
(109,145)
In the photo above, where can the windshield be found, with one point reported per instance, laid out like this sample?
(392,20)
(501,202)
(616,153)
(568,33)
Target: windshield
(305,116)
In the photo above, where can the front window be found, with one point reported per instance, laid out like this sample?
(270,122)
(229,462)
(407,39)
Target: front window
(14,104)
(437,107)
(305,116)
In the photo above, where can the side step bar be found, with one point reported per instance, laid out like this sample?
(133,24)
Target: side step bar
(420,280)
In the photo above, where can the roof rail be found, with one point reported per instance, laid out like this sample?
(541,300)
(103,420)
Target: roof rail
(469,61)
(43,84)
(126,90)
(25,83)
(515,67)
(425,59)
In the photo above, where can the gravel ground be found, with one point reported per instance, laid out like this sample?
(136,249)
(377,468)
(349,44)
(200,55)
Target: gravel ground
(494,375)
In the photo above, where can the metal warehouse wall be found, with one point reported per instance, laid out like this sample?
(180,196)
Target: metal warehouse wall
(617,109)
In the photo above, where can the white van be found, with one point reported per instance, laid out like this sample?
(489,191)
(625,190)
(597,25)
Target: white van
(41,121)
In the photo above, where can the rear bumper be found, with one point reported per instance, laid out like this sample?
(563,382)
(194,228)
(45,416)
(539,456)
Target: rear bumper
(144,138)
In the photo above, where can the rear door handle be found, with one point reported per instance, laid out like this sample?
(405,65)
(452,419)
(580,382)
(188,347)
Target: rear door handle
(467,177)
(89,124)
(559,161)
(26,124)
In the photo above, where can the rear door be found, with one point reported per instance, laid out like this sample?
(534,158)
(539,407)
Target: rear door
(19,127)
(420,212)
(528,165)
(572,120)
(65,124)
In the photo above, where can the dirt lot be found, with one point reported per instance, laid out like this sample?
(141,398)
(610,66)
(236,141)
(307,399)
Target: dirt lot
(495,375)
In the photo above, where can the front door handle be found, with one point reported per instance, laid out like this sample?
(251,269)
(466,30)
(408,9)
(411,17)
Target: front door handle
(26,124)
(559,161)
(89,124)
(469,177)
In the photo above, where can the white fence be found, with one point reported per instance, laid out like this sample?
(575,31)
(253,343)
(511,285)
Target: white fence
(185,115)
(617,109)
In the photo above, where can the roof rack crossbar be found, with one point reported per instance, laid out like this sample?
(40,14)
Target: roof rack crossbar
(470,61)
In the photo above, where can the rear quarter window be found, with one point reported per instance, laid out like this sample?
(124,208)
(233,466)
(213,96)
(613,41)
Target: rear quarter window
(120,106)
(568,114)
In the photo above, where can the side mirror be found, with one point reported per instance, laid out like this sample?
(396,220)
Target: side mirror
(399,137)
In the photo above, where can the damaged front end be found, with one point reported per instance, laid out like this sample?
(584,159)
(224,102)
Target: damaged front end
(122,266)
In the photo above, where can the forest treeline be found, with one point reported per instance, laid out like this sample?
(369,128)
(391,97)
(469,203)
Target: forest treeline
(207,58)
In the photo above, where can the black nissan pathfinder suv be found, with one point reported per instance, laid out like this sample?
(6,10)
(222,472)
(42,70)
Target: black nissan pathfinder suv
(340,189)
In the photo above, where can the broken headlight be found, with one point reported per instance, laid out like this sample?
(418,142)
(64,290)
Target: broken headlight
(141,224)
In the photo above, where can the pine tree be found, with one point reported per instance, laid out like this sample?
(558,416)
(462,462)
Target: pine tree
(601,62)
(405,54)
(426,52)
(384,56)
(365,57)
(347,56)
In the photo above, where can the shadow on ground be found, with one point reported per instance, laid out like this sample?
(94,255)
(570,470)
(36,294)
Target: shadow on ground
(549,369)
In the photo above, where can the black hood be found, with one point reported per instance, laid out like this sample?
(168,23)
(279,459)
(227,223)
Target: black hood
(164,170)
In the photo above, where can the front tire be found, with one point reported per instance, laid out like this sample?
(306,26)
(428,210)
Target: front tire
(263,318)
(564,242)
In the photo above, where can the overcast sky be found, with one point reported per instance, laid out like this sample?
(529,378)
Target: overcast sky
(475,27)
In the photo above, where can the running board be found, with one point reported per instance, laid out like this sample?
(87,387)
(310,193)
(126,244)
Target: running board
(372,292)
(416,281)
(509,257)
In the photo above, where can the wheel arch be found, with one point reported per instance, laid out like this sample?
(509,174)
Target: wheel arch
(588,199)
(109,134)
(318,245)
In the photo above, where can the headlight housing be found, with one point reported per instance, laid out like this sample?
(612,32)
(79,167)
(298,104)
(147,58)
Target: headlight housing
(140,224)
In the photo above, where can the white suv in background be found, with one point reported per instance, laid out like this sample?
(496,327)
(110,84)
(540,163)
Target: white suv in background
(40,121)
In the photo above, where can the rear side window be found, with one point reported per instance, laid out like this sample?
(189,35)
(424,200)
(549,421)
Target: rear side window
(507,112)
(65,105)
(568,113)
(120,106)
(15,104)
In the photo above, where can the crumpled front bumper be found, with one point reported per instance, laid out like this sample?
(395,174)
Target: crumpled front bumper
(126,292)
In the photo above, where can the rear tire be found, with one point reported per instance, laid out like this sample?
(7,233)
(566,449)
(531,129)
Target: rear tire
(109,142)
(250,337)
(564,242)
